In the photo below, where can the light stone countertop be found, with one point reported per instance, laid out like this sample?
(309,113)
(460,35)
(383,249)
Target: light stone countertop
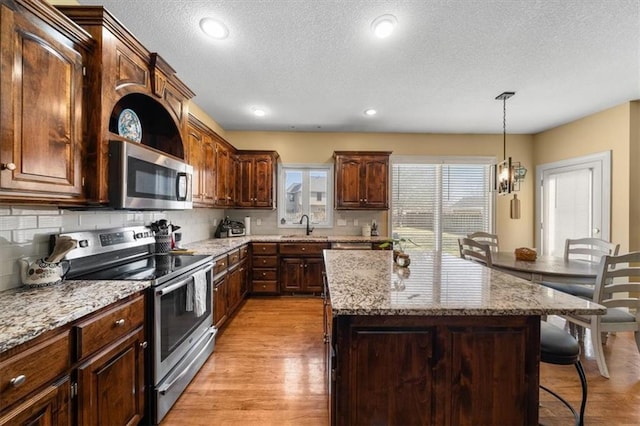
(26,313)
(367,282)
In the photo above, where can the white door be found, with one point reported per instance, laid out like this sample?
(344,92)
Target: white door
(573,201)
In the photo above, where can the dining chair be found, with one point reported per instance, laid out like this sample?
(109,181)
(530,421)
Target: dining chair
(585,249)
(556,345)
(617,287)
(476,251)
(486,238)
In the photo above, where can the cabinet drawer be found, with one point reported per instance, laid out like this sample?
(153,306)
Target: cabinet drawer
(244,252)
(109,326)
(303,249)
(265,261)
(33,368)
(234,257)
(265,287)
(265,275)
(220,264)
(265,248)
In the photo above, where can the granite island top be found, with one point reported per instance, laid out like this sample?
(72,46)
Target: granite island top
(26,313)
(367,282)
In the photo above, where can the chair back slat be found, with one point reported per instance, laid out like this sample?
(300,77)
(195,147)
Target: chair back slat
(486,238)
(476,251)
(591,249)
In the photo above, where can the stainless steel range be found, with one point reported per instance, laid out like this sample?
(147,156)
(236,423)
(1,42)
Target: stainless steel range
(180,313)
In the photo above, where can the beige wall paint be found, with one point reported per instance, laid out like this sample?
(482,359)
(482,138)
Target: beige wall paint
(605,130)
(634,178)
(64,2)
(199,113)
(303,147)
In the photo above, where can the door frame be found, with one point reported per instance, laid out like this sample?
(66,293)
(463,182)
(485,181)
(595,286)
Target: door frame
(604,159)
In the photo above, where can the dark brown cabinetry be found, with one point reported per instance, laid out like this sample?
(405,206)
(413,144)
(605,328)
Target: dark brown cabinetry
(301,267)
(264,268)
(103,353)
(361,180)
(110,347)
(201,155)
(256,179)
(41,135)
(123,74)
(442,370)
(230,284)
(225,174)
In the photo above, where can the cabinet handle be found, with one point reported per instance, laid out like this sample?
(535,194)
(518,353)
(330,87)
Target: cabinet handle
(18,381)
(302,248)
(365,200)
(143,345)
(120,322)
(305,265)
(7,166)
(264,286)
(264,274)
(361,200)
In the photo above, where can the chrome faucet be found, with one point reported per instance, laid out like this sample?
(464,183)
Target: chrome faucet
(309,230)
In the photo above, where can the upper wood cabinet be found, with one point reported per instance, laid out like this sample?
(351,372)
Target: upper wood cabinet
(41,140)
(256,179)
(123,74)
(361,180)
(201,155)
(225,173)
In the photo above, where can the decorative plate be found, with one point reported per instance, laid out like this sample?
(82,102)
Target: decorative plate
(129,125)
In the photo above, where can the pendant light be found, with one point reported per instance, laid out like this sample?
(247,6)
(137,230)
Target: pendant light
(508,174)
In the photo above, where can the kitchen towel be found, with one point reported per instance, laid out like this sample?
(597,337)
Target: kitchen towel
(188,306)
(200,293)
(247,225)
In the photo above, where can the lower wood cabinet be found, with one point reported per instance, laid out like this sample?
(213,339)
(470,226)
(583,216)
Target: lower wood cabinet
(49,407)
(301,267)
(220,298)
(111,387)
(264,268)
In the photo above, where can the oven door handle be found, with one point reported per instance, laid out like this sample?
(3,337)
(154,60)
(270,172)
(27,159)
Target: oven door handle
(165,387)
(173,287)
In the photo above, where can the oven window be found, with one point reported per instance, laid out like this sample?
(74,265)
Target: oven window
(178,318)
(148,180)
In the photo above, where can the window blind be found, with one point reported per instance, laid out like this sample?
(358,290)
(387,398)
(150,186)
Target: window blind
(434,204)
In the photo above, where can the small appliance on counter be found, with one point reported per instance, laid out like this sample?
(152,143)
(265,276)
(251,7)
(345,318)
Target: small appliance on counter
(229,228)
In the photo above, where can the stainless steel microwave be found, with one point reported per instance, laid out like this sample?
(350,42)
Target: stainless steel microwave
(142,178)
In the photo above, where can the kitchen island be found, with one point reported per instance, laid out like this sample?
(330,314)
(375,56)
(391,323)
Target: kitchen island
(444,341)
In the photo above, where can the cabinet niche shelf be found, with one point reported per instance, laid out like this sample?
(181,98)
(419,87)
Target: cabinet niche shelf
(158,128)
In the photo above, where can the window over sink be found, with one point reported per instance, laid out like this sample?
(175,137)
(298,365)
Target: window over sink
(436,200)
(305,189)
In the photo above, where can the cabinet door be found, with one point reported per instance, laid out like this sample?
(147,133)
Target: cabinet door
(220,301)
(244,182)
(234,289)
(111,389)
(50,407)
(196,157)
(313,275)
(244,278)
(222,174)
(348,182)
(209,172)
(263,181)
(291,273)
(375,182)
(41,106)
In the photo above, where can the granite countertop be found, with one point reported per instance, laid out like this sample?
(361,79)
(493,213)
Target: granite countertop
(367,282)
(26,313)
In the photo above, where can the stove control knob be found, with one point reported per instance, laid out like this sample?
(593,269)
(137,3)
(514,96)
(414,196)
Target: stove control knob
(83,243)
(139,235)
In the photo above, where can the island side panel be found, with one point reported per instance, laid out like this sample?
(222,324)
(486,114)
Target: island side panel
(406,370)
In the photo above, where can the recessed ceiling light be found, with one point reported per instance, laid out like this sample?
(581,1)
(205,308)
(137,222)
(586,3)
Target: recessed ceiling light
(214,28)
(259,112)
(383,25)
(370,112)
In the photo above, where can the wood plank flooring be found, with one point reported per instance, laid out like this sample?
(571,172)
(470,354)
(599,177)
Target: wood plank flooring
(268,369)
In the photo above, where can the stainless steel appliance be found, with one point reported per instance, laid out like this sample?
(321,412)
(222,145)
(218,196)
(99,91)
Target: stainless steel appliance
(142,178)
(180,314)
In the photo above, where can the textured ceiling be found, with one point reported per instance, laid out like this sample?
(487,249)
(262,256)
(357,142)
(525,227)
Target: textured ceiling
(314,65)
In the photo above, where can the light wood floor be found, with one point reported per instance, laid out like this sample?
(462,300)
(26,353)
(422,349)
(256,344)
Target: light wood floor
(268,369)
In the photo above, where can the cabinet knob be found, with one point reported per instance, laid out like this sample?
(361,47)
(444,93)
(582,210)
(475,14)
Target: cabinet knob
(365,200)
(7,166)
(264,286)
(120,322)
(305,265)
(303,248)
(18,381)
(361,200)
(143,345)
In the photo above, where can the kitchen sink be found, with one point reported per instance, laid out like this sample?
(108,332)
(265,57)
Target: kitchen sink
(315,237)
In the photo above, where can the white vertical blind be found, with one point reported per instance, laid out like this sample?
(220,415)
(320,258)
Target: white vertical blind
(435,202)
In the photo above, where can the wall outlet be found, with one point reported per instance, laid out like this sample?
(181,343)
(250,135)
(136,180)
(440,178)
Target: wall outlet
(258,222)
(342,222)
(355,222)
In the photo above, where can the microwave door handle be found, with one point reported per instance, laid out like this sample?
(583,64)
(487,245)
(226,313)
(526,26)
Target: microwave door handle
(182,186)
(181,283)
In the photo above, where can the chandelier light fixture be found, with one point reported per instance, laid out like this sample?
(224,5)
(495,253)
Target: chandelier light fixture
(508,173)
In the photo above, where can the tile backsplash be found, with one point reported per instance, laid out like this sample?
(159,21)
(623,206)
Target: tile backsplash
(25,231)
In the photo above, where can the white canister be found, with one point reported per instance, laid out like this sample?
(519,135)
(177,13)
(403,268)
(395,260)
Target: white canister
(247,225)
(366,231)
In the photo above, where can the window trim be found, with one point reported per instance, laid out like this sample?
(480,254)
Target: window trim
(328,167)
